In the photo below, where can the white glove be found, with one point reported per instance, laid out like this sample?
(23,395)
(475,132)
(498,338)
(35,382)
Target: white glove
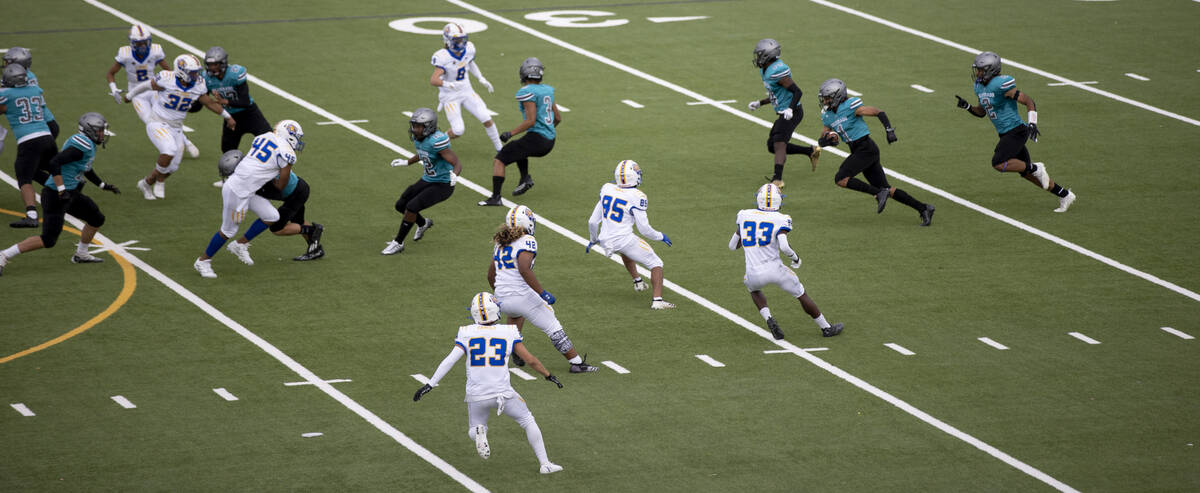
(399,162)
(787,114)
(116,94)
(448,85)
(753,105)
(453,179)
(487,84)
(796,262)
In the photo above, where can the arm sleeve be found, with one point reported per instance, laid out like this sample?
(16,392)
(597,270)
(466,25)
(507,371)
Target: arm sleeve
(138,89)
(242,100)
(93,177)
(785,248)
(594,222)
(475,71)
(643,226)
(447,365)
(70,154)
(795,90)
(734,241)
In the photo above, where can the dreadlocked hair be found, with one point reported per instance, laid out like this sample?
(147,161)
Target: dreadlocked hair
(506,235)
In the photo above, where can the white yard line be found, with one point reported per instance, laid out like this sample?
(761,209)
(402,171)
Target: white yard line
(1010,63)
(633,103)
(1083,338)
(784,351)
(225,394)
(22,409)
(336,380)
(1179,333)
(711,362)
(1132,75)
(724,101)
(899,349)
(522,374)
(921,88)
(1072,83)
(120,399)
(615,367)
(990,342)
(350,121)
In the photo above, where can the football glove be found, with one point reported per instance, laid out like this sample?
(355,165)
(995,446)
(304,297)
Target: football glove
(962,103)
(1034,133)
(487,84)
(891,134)
(453,179)
(400,162)
(110,188)
(116,95)
(666,240)
(550,299)
(505,136)
(787,114)
(553,379)
(828,140)
(66,195)
(754,105)
(795,261)
(421,392)
(588,248)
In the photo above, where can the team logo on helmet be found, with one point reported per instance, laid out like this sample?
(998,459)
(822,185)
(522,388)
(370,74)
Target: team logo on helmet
(187,69)
(290,131)
(628,174)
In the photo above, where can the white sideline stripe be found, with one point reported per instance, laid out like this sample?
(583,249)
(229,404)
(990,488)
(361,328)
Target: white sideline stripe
(617,368)
(632,103)
(562,108)
(225,394)
(712,362)
(521,373)
(921,88)
(723,101)
(420,378)
(348,121)
(852,92)
(1072,83)
(22,409)
(899,349)
(1180,333)
(1011,63)
(267,347)
(990,342)
(336,380)
(120,399)
(1132,75)
(311,435)
(1083,338)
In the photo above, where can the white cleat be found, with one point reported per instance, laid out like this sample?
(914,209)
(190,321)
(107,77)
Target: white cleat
(160,189)
(1064,203)
(219,183)
(550,468)
(192,150)
(204,267)
(145,188)
(481,443)
(242,251)
(1042,176)
(393,248)
(639,285)
(661,305)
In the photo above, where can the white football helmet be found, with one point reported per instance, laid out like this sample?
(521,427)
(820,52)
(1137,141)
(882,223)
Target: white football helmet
(139,40)
(454,37)
(520,217)
(769,198)
(187,68)
(484,308)
(290,131)
(628,174)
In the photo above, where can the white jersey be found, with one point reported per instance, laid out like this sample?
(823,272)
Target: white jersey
(508,276)
(758,230)
(456,71)
(171,104)
(267,155)
(139,71)
(617,206)
(487,348)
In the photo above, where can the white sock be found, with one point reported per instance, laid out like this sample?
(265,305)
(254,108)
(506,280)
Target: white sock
(11,251)
(576,360)
(765,312)
(81,248)
(821,321)
(493,134)
(32,214)
(534,435)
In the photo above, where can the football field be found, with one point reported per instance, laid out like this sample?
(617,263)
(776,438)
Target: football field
(1004,348)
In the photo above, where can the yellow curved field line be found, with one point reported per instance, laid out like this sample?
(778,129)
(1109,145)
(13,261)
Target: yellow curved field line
(126,291)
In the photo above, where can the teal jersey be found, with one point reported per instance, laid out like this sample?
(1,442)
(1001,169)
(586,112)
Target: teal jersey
(1000,110)
(226,87)
(543,96)
(849,126)
(72,172)
(781,97)
(33,82)
(25,108)
(437,170)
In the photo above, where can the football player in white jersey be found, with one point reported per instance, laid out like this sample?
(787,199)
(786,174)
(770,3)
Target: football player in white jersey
(450,66)
(762,233)
(518,289)
(620,207)
(270,158)
(487,346)
(139,60)
(175,91)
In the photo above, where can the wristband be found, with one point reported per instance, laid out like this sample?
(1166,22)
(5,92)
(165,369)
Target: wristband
(1033,117)
(225,114)
(102,185)
(62,188)
(112,87)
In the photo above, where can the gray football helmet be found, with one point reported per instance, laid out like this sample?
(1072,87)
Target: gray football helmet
(228,163)
(531,69)
(18,55)
(766,51)
(216,55)
(14,75)
(989,63)
(94,126)
(831,93)
(425,117)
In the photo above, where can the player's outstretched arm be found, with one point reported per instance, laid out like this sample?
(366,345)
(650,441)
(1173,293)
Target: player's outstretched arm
(735,242)
(520,350)
(215,107)
(442,369)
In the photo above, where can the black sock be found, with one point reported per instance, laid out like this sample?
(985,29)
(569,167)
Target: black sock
(306,230)
(1029,170)
(420,220)
(799,149)
(862,186)
(1059,190)
(778,172)
(523,167)
(908,200)
(497,181)
(405,226)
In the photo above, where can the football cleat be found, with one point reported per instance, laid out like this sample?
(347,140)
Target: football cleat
(1064,203)
(86,258)
(24,222)
(776,332)
(927,215)
(204,267)
(661,305)
(160,189)
(145,188)
(421,229)
(524,186)
(639,284)
(815,156)
(192,150)
(778,183)
(882,197)
(392,248)
(314,238)
(491,201)
(242,251)
(582,366)
(1042,176)
(313,255)
(550,468)
(481,443)
(832,330)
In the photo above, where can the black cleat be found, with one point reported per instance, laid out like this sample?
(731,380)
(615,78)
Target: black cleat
(582,366)
(517,360)
(524,186)
(421,229)
(314,238)
(491,201)
(832,330)
(776,332)
(882,197)
(24,222)
(86,258)
(313,255)
(927,215)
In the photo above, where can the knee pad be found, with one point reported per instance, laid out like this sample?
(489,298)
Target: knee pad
(48,240)
(99,220)
(561,342)
(458,127)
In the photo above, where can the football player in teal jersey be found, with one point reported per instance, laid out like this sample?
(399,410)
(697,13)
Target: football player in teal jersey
(541,116)
(23,57)
(63,193)
(843,120)
(998,97)
(784,97)
(435,185)
(227,86)
(24,106)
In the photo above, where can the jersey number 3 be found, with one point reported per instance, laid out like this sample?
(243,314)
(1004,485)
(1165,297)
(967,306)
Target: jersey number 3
(479,347)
